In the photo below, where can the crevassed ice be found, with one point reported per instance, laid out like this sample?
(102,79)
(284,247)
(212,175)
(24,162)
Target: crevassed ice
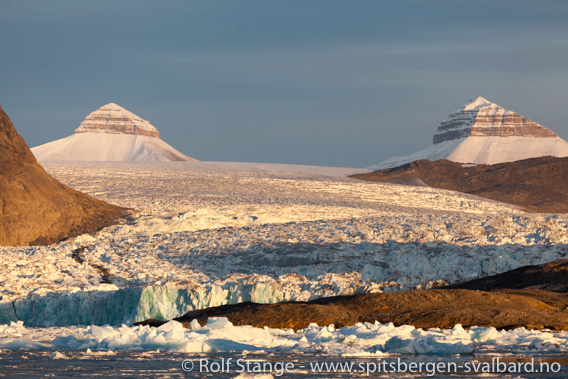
(208,234)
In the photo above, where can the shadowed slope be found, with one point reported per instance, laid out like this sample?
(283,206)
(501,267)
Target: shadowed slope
(36,209)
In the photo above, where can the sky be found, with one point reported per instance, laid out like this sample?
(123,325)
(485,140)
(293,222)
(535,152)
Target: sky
(318,82)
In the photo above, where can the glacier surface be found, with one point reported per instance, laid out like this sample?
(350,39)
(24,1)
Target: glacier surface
(206,234)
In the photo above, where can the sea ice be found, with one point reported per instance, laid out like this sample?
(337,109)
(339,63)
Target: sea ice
(220,335)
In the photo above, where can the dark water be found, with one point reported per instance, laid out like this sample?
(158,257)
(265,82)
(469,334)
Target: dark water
(130,364)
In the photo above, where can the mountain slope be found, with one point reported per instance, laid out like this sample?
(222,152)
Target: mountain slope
(34,207)
(536,184)
(481,132)
(111,133)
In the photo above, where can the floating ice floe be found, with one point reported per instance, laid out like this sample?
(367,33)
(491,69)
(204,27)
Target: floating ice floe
(220,335)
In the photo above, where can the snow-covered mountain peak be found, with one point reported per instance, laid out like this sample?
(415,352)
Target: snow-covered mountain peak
(114,119)
(478,103)
(481,117)
(111,133)
(482,132)
(112,106)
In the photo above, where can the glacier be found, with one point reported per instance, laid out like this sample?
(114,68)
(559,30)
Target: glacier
(209,233)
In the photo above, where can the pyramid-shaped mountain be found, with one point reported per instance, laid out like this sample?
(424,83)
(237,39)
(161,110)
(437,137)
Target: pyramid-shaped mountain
(36,209)
(482,132)
(111,133)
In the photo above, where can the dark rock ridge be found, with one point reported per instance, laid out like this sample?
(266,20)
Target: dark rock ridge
(533,297)
(552,277)
(36,209)
(481,117)
(114,119)
(536,184)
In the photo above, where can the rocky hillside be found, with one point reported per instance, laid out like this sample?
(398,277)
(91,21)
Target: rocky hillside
(537,184)
(35,208)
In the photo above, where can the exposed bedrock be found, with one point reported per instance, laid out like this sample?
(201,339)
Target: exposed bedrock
(35,208)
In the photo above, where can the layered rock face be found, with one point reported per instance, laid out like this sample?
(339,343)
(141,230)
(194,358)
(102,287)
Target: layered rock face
(112,118)
(111,133)
(481,132)
(481,117)
(36,209)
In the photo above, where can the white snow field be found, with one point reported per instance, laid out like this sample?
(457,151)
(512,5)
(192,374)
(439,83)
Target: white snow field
(108,147)
(207,234)
(484,150)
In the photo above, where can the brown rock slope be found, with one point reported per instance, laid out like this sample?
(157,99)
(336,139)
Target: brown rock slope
(533,296)
(36,209)
(537,184)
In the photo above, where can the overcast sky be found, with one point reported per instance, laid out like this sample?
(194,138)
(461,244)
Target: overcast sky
(321,82)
